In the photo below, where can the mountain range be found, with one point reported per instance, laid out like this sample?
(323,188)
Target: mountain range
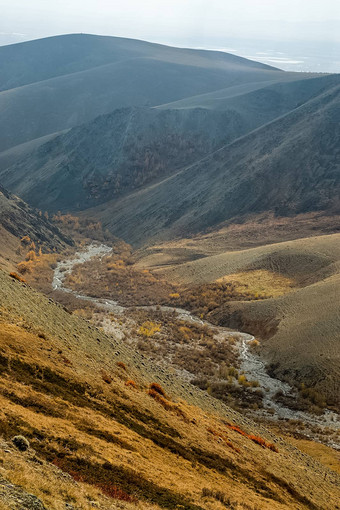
(180,139)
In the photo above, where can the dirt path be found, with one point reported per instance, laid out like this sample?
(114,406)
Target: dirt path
(251,364)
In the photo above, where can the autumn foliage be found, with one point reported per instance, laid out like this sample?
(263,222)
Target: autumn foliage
(256,439)
(15,276)
(131,384)
(224,438)
(158,389)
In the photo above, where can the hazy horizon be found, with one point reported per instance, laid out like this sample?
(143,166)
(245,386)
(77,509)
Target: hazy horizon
(301,36)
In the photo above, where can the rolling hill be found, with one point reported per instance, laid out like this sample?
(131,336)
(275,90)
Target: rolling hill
(78,77)
(299,329)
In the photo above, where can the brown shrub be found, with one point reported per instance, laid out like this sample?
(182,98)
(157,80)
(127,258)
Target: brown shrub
(158,389)
(17,277)
(256,439)
(131,384)
(169,406)
(23,268)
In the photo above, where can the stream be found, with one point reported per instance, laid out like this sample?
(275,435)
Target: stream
(251,364)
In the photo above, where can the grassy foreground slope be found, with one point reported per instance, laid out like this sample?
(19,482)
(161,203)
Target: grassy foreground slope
(83,400)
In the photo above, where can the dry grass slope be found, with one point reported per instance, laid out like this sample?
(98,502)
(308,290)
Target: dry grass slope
(115,440)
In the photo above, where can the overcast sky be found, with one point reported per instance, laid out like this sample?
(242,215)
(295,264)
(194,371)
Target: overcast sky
(214,24)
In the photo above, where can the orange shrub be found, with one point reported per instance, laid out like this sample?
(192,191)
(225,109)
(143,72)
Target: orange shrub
(121,365)
(161,400)
(158,388)
(256,439)
(217,434)
(25,240)
(131,383)
(31,255)
(17,277)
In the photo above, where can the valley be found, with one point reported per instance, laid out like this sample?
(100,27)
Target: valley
(248,362)
(169,279)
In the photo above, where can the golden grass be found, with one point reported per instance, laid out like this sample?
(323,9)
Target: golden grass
(109,423)
(322,453)
(54,488)
(260,283)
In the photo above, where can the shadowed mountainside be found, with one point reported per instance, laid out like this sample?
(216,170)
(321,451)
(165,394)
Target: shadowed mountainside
(289,166)
(132,147)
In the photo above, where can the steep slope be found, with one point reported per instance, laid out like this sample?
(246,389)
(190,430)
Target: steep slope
(97,83)
(18,219)
(83,400)
(129,148)
(269,99)
(18,152)
(117,153)
(288,166)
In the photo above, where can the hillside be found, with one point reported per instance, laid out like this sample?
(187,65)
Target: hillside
(288,166)
(118,440)
(117,153)
(132,147)
(42,59)
(299,327)
(17,220)
(78,77)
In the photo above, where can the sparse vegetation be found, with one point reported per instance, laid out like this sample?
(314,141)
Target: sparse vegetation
(149,329)
(256,439)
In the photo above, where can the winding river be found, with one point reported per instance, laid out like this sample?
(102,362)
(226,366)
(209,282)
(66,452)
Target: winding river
(251,364)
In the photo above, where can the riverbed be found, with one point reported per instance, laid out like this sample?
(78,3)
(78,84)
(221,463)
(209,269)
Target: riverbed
(250,363)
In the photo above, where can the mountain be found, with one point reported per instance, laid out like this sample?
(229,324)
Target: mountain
(117,153)
(42,59)
(78,77)
(288,166)
(125,150)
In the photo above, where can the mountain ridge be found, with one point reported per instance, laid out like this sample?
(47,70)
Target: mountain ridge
(207,212)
